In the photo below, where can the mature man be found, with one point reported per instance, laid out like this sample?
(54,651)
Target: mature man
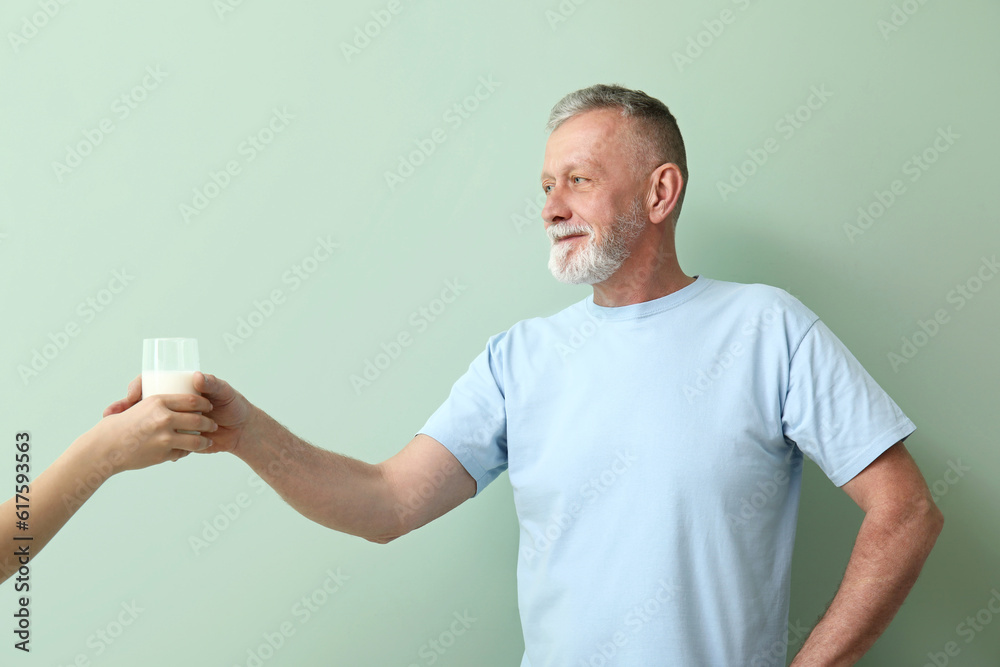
(654,433)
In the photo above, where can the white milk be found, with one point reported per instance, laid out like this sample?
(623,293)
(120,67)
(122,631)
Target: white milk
(167,382)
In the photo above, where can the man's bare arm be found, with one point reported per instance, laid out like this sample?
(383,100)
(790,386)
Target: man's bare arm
(900,527)
(378,502)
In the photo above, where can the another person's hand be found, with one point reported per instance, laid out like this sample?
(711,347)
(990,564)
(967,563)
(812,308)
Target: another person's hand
(229,409)
(127,438)
(147,433)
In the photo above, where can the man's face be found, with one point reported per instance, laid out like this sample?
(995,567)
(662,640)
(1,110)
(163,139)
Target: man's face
(593,212)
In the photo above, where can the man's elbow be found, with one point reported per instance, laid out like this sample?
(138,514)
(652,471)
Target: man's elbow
(935,519)
(925,517)
(917,520)
(385,538)
(393,530)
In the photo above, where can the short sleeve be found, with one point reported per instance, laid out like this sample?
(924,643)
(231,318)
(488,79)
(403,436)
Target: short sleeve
(834,410)
(472,422)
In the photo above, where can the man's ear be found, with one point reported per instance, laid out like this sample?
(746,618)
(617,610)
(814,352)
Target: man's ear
(665,188)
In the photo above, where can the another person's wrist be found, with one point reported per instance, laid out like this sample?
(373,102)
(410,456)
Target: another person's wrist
(91,460)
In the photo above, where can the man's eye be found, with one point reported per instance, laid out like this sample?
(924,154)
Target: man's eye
(546,188)
(581,178)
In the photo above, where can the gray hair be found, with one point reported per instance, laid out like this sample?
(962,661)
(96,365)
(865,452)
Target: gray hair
(655,138)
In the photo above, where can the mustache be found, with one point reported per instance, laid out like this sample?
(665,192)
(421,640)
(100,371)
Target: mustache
(556,232)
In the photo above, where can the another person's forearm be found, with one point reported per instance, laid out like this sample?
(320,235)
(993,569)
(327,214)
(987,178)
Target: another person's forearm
(339,492)
(888,554)
(54,497)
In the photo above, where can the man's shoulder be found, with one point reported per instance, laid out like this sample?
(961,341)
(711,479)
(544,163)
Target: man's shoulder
(762,297)
(533,326)
(746,290)
(566,316)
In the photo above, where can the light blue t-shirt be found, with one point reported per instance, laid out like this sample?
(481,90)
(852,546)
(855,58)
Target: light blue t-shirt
(655,453)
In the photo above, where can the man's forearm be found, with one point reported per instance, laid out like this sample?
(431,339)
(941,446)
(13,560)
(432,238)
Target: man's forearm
(888,554)
(336,491)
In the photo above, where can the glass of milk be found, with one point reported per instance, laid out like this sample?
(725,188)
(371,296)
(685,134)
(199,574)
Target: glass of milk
(168,367)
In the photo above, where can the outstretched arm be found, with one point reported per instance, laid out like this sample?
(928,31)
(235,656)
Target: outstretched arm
(900,526)
(139,437)
(378,502)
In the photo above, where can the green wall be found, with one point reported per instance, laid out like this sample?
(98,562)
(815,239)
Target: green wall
(892,76)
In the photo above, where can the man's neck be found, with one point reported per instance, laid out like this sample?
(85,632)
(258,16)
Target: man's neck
(628,292)
(649,273)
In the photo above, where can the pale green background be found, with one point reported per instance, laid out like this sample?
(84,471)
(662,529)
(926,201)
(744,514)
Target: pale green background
(453,219)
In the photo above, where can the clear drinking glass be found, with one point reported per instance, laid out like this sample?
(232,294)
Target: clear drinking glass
(168,367)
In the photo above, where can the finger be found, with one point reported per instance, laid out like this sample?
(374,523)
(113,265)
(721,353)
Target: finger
(114,408)
(186,402)
(192,421)
(132,396)
(177,454)
(216,390)
(134,392)
(198,380)
(191,443)
(214,449)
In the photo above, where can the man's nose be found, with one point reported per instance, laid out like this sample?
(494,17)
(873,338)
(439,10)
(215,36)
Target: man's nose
(555,209)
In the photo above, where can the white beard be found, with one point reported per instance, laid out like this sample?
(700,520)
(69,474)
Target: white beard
(592,261)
